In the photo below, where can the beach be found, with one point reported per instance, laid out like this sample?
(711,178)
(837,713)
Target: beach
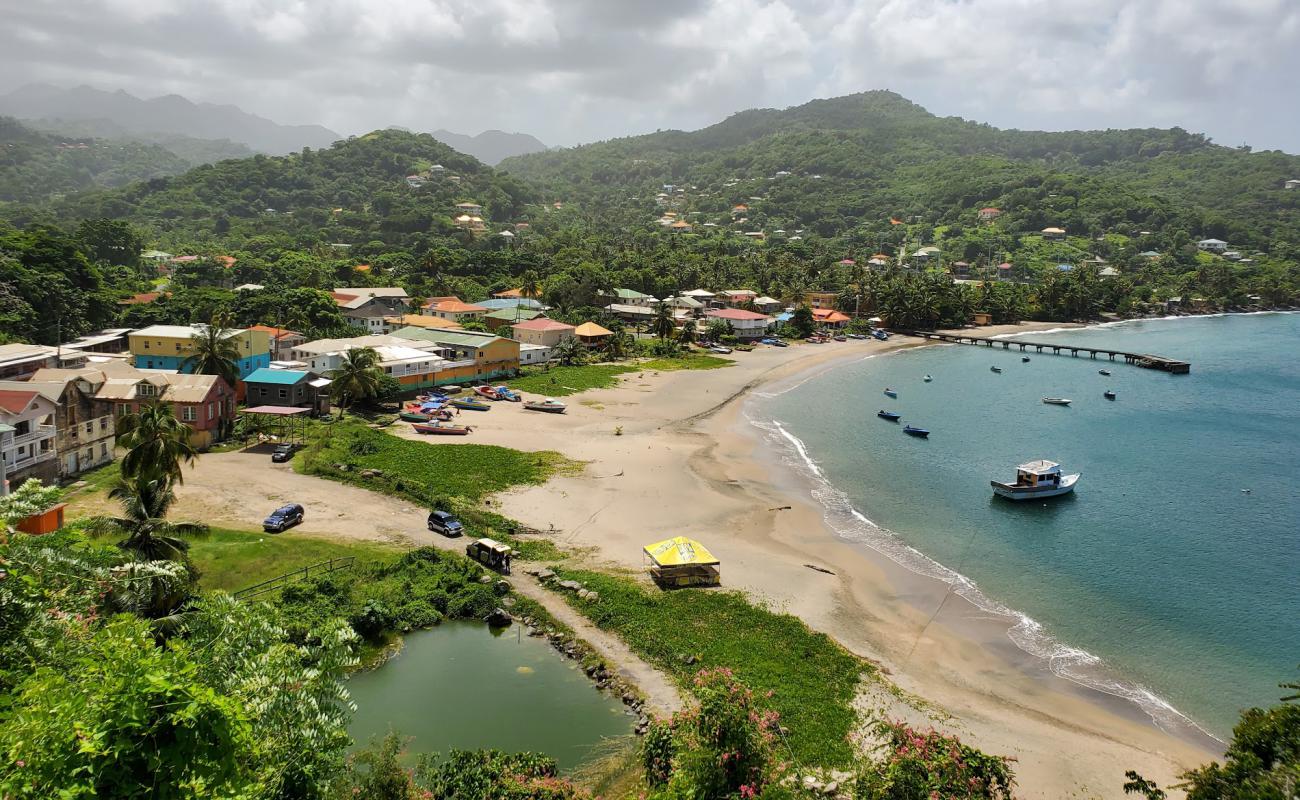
(673,453)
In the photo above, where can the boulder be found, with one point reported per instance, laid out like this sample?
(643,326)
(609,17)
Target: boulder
(501,587)
(499,618)
(572,586)
(545,574)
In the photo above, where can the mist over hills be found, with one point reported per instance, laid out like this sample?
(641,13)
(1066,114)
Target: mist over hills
(491,147)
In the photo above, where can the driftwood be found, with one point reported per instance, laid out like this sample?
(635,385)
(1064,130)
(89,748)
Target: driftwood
(819,569)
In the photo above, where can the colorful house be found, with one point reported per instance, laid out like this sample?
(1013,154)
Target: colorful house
(506,317)
(592,335)
(366,307)
(829,318)
(166,347)
(289,388)
(474,356)
(455,310)
(282,340)
(85,434)
(542,331)
(745,324)
(27,436)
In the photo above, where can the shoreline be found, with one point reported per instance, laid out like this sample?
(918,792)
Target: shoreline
(705,471)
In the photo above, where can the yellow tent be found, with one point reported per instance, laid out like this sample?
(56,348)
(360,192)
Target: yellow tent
(679,551)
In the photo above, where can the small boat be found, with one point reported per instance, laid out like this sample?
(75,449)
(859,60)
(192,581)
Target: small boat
(470,404)
(927,379)
(840,338)
(1108,394)
(413,416)
(487,391)
(1035,479)
(506,393)
(996,369)
(442,430)
(1103,372)
(1024,359)
(879,334)
(1057,401)
(550,405)
(920,433)
(889,415)
(891,393)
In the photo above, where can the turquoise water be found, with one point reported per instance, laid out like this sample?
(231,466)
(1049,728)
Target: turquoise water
(1159,579)
(464,686)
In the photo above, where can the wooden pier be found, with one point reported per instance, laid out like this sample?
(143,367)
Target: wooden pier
(1144,360)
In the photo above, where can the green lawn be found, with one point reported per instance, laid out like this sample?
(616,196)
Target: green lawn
(692,361)
(564,381)
(231,560)
(813,680)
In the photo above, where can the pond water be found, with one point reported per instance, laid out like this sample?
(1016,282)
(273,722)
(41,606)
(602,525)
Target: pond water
(465,686)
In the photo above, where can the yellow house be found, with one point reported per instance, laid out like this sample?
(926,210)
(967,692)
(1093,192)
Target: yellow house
(168,346)
(484,355)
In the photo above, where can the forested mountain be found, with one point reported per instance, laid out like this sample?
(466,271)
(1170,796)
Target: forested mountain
(170,114)
(190,149)
(491,147)
(36,166)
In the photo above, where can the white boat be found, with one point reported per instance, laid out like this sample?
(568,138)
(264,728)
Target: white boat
(1057,401)
(928,379)
(1036,479)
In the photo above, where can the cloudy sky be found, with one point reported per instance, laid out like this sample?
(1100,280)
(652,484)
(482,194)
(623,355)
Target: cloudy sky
(571,71)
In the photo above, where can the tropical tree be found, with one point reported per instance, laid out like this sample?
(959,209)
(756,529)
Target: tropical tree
(569,351)
(215,351)
(157,443)
(149,535)
(688,334)
(530,285)
(802,320)
(717,329)
(357,377)
(663,324)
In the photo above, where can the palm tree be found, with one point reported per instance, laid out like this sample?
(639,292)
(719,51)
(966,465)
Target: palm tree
(687,334)
(149,535)
(357,376)
(663,324)
(569,351)
(157,443)
(215,351)
(530,286)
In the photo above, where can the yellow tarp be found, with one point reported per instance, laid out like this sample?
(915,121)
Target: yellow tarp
(679,551)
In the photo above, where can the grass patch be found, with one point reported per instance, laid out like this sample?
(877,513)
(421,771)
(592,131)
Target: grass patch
(564,381)
(812,679)
(686,361)
(231,560)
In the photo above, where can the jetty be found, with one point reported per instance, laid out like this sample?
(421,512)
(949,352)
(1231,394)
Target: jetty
(1144,360)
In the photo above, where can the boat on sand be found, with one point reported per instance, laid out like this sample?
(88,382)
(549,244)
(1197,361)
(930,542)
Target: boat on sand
(550,406)
(441,430)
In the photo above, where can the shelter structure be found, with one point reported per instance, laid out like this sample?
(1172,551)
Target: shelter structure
(287,424)
(681,561)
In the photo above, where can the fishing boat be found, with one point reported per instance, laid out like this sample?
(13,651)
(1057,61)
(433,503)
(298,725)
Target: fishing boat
(550,405)
(840,338)
(1108,394)
(1024,359)
(927,379)
(470,404)
(879,334)
(441,430)
(889,415)
(487,391)
(413,416)
(920,433)
(506,393)
(1103,372)
(996,369)
(1057,401)
(891,393)
(1036,479)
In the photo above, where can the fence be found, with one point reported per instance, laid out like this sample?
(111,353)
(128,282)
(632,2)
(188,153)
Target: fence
(311,570)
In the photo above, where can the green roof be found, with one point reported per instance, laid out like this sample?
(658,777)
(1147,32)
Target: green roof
(440,336)
(285,377)
(513,314)
(629,294)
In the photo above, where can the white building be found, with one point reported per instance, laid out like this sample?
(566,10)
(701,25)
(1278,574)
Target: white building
(1212,245)
(398,356)
(534,354)
(27,433)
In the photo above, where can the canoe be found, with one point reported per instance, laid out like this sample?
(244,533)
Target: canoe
(442,430)
(920,433)
(889,415)
(1056,401)
(506,393)
(1103,372)
(470,404)
(995,369)
(891,393)
(548,406)
(414,416)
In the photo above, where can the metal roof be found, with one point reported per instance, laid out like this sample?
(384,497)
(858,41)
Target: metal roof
(1040,467)
(283,377)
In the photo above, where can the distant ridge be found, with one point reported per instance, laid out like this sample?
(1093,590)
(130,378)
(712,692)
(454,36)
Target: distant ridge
(169,114)
(491,147)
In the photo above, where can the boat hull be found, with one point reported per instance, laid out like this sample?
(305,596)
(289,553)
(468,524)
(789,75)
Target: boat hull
(441,430)
(889,415)
(468,406)
(1017,493)
(544,408)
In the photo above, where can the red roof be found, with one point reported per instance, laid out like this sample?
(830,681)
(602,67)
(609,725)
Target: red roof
(1004,266)
(276,333)
(542,324)
(341,298)
(828,315)
(140,299)
(455,306)
(15,401)
(735,313)
(225,261)
(987,210)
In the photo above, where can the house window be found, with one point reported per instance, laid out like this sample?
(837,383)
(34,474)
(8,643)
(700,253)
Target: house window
(90,428)
(284,393)
(188,414)
(146,389)
(22,428)
(178,347)
(103,424)
(148,364)
(146,344)
(211,410)
(123,409)
(90,455)
(103,451)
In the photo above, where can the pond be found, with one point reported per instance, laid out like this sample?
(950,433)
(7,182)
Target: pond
(465,686)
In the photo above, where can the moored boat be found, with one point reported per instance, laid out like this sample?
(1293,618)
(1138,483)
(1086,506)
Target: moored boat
(1024,359)
(927,379)
(1108,394)
(470,404)
(1036,479)
(1057,401)
(995,369)
(441,430)
(889,415)
(920,433)
(1103,372)
(550,405)
(891,393)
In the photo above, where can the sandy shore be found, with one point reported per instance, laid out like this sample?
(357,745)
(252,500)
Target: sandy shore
(672,453)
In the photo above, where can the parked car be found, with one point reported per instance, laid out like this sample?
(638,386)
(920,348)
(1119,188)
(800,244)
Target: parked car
(444,523)
(283,518)
(773,341)
(491,554)
(283,452)
(717,348)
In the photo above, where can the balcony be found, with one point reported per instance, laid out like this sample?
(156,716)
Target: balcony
(35,435)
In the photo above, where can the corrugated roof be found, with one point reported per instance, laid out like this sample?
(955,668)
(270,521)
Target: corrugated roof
(282,377)
(464,338)
(458,307)
(513,314)
(592,329)
(543,324)
(735,313)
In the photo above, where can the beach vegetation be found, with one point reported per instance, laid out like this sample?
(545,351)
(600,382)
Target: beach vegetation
(231,560)
(562,381)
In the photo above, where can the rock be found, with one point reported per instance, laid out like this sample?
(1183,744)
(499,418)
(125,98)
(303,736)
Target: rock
(593,596)
(628,698)
(532,632)
(831,788)
(572,586)
(499,618)
(501,587)
(485,579)
(534,571)
(508,602)
(811,784)
(545,575)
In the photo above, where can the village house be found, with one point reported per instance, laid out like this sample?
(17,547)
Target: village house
(19,361)
(629,297)
(829,318)
(166,347)
(27,436)
(702,295)
(419,321)
(744,324)
(1294,183)
(1053,233)
(110,341)
(684,307)
(533,354)
(817,300)
(592,335)
(472,209)
(737,297)
(474,356)
(1212,245)
(85,433)
(631,313)
(282,340)
(366,307)
(454,310)
(989,214)
(288,388)
(768,305)
(505,317)
(542,331)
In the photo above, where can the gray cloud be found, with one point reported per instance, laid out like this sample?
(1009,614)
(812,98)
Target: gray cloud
(578,70)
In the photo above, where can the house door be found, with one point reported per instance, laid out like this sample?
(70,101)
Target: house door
(70,464)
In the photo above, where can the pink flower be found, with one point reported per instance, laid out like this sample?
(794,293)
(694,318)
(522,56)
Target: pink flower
(21,763)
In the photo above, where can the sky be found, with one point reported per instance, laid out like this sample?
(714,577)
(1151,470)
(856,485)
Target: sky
(573,71)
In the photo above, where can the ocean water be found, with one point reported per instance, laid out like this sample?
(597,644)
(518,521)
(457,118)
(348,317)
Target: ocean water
(1171,576)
